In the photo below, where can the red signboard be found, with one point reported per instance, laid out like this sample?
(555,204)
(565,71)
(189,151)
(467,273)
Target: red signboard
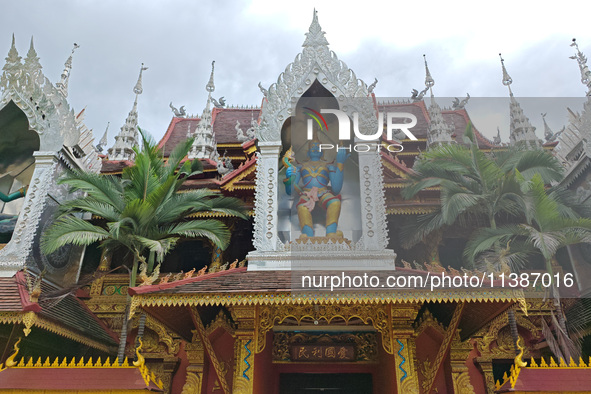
(330,353)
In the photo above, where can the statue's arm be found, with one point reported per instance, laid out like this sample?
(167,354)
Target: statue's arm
(336,176)
(336,171)
(292,178)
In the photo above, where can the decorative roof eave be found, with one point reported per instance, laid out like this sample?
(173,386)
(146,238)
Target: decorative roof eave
(395,166)
(149,379)
(411,210)
(287,298)
(216,215)
(230,180)
(31,319)
(575,171)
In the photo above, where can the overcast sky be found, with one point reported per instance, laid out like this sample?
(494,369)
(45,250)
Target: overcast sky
(254,41)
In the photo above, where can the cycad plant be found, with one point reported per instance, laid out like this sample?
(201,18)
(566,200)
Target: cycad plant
(549,225)
(144,212)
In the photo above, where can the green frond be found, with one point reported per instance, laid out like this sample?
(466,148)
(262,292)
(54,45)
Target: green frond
(105,189)
(230,206)
(485,239)
(179,152)
(69,229)
(214,230)
(92,206)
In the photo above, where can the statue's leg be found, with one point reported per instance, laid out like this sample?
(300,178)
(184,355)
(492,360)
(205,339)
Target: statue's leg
(333,211)
(305,217)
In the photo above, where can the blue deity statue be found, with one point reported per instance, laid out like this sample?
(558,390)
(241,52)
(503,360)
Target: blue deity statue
(317,181)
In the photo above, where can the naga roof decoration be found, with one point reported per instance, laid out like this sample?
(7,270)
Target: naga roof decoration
(89,374)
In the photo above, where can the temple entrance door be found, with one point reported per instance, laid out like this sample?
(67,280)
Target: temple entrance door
(329,383)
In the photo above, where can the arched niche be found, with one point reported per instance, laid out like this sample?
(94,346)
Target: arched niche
(294,137)
(17,164)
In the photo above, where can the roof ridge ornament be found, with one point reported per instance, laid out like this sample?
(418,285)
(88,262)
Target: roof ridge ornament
(582,61)
(429,81)
(204,145)
(12,67)
(128,137)
(210,87)
(440,132)
(137,89)
(103,141)
(507,80)
(521,131)
(62,85)
(32,67)
(315,36)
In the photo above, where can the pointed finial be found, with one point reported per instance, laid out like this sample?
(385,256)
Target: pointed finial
(582,61)
(103,142)
(12,69)
(32,47)
(429,81)
(62,85)
(13,56)
(32,64)
(137,89)
(10,360)
(507,81)
(210,87)
(315,35)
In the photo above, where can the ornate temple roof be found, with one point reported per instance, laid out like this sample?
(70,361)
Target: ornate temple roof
(66,315)
(546,377)
(76,375)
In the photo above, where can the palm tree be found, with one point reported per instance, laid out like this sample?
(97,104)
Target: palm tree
(474,186)
(143,212)
(549,225)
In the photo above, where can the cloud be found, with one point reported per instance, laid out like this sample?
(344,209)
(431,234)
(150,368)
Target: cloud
(254,41)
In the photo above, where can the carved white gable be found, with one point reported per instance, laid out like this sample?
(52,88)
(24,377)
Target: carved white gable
(317,62)
(60,146)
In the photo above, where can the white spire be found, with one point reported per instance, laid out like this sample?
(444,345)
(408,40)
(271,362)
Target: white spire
(210,87)
(204,146)
(507,80)
(104,140)
(32,67)
(573,140)
(128,137)
(12,68)
(521,130)
(315,36)
(62,85)
(429,81)
(582,61)
(439,131)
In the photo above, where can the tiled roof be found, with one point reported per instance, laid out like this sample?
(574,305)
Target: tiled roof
(459,120)
(418,109)
(73,314)
(14,296)
(231,281)
(114,166)
(177,131)
(224,123)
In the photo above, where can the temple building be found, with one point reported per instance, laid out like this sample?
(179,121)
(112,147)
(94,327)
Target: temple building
(243,320)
